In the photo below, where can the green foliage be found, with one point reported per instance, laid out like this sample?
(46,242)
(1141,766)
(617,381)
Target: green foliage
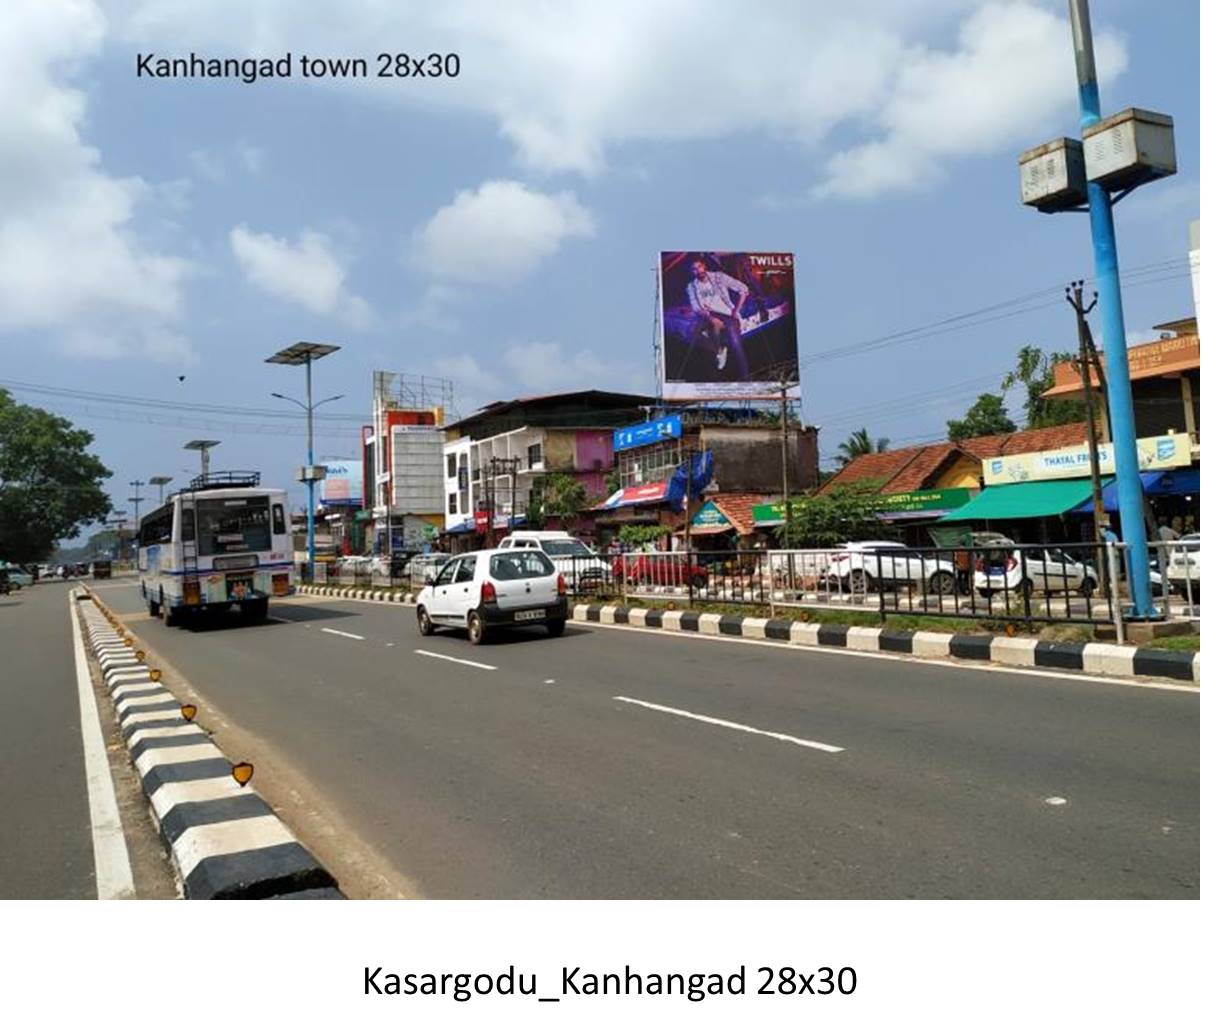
(558,496)
(49,484)
(861,443)
(846,513)
(636,536)
(1035,372)
(612,482)
(987,416)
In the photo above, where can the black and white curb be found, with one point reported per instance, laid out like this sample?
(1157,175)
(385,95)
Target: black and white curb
(226,842)
(357,594)
(1092,657)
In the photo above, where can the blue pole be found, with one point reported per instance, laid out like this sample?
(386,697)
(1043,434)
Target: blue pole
(310,483)
(1112,327)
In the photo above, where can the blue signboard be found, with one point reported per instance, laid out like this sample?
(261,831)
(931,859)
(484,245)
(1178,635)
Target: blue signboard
(667,428)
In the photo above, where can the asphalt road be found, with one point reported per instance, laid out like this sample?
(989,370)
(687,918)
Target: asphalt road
(530,779)
(46,841)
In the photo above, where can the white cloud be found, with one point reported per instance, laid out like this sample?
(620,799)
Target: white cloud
(498,233)
(1009,82)
(71,261)
(306,273)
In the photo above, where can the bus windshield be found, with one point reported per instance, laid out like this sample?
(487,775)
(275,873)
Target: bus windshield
(229,524)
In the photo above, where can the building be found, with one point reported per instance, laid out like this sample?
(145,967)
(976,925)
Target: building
(494,461)
(744,448)
(402,459)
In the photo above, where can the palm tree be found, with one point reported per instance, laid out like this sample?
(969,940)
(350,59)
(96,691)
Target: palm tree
(860,443)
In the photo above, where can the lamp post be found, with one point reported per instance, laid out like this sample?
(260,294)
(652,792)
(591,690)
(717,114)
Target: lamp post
(203,446)
(303,353)
(161,482)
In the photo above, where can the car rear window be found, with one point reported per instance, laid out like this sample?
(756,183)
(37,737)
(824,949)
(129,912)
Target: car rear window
(521,565)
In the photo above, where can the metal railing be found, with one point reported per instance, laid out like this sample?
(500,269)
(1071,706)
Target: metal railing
(1175,577)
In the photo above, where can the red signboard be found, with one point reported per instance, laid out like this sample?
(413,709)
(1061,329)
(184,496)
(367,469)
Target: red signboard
(482,519)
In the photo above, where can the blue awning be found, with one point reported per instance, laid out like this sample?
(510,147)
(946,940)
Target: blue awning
(1172,483)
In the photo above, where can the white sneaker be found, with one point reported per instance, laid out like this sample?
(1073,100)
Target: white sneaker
(722,352)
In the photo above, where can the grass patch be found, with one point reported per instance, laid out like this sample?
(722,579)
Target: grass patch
(1183,642)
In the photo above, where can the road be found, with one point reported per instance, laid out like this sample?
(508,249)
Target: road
(529,778)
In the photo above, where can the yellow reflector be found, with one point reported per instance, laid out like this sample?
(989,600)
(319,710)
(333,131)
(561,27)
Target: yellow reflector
(154,675)
(189,712)
(141,655)
(128,641)
(242,771)
(1010,630)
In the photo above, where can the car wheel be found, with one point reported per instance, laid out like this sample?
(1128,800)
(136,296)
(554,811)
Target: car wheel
(984,592)
(424,622)
(475,628)
(556,627)
(942,583)
(1088,587)
(1025,588)
(699,582)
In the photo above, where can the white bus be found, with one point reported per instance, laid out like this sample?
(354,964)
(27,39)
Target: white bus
(223,541)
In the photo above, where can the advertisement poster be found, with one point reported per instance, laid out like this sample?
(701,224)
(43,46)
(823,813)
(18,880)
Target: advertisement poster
(343,483)
(728,325)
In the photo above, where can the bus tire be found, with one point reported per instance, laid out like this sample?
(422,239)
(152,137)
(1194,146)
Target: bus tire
(170,617)
(153,608)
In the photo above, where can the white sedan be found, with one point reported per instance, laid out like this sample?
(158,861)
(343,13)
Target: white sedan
(485,590)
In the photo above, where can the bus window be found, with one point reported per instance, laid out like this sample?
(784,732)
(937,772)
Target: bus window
(278,519)
(228,525)
(188,524)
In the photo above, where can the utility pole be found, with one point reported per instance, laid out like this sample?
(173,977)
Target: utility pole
(1074,297)
(688,493)
(137,498)
(1112,324)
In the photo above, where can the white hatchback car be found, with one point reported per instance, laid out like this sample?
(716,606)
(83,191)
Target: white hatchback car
(484,590)
(582,567)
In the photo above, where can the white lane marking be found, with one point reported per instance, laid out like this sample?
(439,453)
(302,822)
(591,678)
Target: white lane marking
(895,656)
(460,661)
(1055,801)
(547,681)
(341,633)
(817,745)
(109,854)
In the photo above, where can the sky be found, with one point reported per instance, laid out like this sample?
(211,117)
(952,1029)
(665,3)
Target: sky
(160,237)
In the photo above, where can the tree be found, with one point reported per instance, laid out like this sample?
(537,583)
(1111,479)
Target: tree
(637,535)
(50,485)
(849,512)
(1035,372)
(986,417)
(557,495)
(860,443)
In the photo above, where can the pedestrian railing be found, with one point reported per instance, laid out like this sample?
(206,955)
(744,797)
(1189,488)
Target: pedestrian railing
(1175,577)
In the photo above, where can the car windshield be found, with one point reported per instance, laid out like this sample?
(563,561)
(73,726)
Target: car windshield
(520,565)
(566,548)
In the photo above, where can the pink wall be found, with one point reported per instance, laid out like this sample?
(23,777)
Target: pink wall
(593,446)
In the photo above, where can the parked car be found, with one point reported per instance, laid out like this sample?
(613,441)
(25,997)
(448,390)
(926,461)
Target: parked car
(422,566)
(17,576)
(483,591)
(1051,571)
(582,567)
(662,568)
(863,564)
(1184,566)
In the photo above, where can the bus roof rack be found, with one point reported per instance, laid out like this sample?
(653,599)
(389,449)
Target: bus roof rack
(217,480)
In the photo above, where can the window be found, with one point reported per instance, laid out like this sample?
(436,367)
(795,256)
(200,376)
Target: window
(566,548)
(278,519)
(535,455)
(525,564)
(451,466)
(465,573)
(233,524)
(156,528)
(453,504)
(445,576)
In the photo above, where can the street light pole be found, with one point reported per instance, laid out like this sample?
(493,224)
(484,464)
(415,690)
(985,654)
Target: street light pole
(1112,325)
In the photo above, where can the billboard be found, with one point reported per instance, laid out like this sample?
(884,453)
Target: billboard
(342,486)
(728,327)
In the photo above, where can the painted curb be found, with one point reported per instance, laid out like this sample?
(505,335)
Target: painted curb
(225,840)
(1018,652)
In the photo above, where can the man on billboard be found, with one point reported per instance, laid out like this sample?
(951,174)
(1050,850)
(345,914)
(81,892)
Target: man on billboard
(718,315)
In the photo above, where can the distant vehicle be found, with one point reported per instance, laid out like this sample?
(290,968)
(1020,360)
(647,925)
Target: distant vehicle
(17,576)
(224,541)
(1184,566)
(582,567)
(662,568)
(102,569)
(485,590)
(864,564)
(1049,571)
(421,566)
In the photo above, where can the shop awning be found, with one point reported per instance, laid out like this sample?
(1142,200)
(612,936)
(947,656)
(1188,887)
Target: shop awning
(1173,483)
(1032,500)
(644,493)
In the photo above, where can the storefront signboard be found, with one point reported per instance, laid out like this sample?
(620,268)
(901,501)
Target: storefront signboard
(1154,453)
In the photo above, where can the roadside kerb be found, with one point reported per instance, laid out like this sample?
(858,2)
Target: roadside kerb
(225,840)
(1018,652)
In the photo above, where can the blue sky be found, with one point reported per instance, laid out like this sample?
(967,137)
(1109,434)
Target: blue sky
(500,227)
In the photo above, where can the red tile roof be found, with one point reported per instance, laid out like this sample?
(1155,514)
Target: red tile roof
(737,509)
(910,468)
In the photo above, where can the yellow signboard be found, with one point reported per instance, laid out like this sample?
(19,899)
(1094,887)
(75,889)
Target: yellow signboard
(1154,453)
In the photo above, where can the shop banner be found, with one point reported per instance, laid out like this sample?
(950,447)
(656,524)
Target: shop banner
(1154,453)
(923,500)
(644,433)
(710,517)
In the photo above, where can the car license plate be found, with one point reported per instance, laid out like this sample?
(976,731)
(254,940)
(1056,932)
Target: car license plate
(536,613)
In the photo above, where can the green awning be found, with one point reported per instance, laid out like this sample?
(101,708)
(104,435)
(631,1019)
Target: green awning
(1024,500)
